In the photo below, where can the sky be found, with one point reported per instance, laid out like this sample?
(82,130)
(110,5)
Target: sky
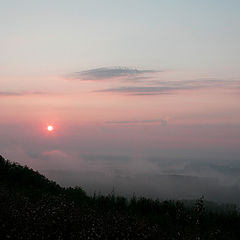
(143,95)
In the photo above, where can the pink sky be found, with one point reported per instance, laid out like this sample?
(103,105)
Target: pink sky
(132,88)
(115,124)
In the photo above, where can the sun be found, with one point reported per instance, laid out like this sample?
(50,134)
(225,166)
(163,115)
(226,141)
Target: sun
(50,128)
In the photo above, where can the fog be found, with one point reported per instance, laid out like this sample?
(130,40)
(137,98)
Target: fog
(128,160)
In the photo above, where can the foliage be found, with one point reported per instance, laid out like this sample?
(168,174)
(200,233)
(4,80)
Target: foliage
(32,207)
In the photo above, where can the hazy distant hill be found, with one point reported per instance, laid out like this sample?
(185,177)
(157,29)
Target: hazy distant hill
(33,207)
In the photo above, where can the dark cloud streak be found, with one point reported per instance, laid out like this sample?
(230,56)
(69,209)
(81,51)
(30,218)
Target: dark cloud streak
(19,94)
(161,121)
(111,72)
(167,87)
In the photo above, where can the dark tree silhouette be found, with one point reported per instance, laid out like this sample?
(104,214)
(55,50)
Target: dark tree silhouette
(33,207)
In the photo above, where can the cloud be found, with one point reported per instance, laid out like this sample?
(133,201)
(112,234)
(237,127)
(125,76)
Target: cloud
(58,154)
(139,90)
(128,159)
(150,185)
(147,82)
(110,73)
(19,94)
(59,159)
(108,158)
(199,83)
(231,169)
(9,94)
(163,122)
(168,87)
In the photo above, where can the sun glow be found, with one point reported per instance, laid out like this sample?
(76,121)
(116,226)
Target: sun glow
(50,128)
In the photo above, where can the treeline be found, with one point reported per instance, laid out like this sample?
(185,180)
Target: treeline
(33,207)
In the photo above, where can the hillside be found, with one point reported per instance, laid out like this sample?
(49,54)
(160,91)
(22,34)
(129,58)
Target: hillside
(33,207)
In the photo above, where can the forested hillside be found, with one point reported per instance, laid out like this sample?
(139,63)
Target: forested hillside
(33,207)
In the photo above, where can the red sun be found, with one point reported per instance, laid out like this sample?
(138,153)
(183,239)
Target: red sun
(50,128)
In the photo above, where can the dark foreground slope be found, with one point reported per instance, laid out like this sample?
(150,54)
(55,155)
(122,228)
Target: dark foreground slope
(32,207)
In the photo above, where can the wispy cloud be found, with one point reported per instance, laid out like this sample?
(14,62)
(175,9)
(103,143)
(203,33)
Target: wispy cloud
(107,73)
(139,90)
(167,87)
(107,158)
(163,122)
(148,82)
(19,94)
(199,83)
(9,94)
